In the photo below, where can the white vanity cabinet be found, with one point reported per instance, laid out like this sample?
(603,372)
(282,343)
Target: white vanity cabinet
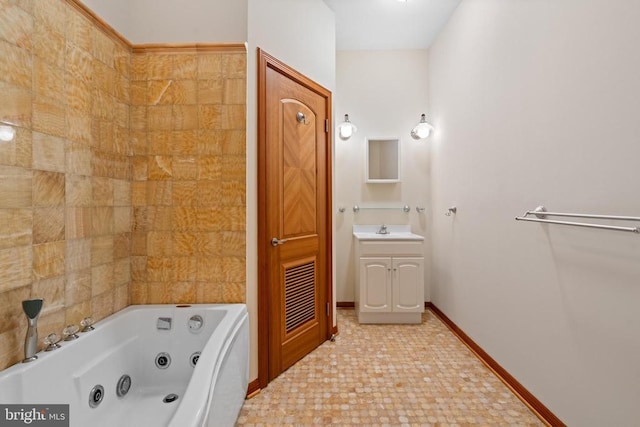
(392,285)
(390,280)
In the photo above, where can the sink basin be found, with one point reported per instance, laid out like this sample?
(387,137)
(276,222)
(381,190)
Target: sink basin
(389,236)
(394,232)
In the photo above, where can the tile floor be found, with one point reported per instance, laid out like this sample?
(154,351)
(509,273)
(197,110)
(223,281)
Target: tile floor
(387,375)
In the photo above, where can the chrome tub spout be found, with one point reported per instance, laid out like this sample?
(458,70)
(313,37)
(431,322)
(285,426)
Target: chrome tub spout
(32,310)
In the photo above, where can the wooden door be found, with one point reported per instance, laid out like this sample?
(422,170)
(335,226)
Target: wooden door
(294,216)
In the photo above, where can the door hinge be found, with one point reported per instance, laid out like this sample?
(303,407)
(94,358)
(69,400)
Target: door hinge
(326,125)
(328,309)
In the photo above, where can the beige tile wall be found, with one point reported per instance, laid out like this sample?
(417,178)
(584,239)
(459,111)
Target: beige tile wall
(188,177)
(65,184)
(125,182)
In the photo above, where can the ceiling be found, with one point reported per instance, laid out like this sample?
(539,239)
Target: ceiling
(389,24)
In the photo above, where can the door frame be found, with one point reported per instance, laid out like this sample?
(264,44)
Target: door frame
(266,61)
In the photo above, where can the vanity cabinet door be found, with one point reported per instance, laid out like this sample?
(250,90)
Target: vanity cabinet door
(375,284)
(408,285)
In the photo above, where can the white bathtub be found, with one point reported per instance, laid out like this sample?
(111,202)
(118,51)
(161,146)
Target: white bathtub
(128,343)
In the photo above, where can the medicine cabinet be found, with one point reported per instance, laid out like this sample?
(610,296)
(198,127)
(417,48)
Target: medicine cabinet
(383,160)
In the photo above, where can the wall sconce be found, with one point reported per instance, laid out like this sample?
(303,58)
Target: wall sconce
(422,129)
(346,129)
(7,133)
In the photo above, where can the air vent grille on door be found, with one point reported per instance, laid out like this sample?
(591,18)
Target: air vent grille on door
(299,287)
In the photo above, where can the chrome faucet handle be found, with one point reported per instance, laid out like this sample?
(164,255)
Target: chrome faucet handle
(70,332)
(87,324)
(51,341)
(382,230)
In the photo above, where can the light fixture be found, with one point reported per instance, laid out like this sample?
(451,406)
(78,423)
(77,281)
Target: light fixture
(346,129)
(422,129)
(7,133)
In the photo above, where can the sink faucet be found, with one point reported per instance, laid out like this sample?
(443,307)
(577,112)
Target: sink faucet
(31,308)
(383,230)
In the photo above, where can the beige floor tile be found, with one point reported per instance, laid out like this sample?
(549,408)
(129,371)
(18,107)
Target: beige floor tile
(387,375)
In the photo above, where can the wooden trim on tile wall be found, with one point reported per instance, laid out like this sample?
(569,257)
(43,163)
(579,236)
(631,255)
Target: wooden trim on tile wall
(190,48)
(100,23)
(518,389)
(263,298)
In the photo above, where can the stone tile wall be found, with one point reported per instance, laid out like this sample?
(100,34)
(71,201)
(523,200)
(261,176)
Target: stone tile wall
(188,177)
(125,166)
(65,184)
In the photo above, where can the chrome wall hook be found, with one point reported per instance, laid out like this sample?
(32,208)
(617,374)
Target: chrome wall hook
(451,210)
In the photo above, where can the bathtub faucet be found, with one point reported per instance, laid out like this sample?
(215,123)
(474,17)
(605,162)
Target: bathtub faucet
(31,308)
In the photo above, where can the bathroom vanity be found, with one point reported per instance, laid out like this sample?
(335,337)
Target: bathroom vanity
(389,274)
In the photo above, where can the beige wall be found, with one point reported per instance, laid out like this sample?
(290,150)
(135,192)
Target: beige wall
(153,21)
(537,103)
(65,196)
(384,93)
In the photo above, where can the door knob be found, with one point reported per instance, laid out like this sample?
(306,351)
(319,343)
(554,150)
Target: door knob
(275,241)
(301,118)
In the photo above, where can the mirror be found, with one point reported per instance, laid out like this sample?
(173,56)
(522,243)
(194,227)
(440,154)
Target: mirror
(383,160)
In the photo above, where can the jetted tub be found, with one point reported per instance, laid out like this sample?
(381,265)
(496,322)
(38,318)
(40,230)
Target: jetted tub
(158,354)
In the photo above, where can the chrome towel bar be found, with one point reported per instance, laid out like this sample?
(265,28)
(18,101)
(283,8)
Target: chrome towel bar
(541,214)
(404,208)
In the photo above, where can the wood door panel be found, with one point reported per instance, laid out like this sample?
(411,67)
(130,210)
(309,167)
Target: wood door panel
(299,169)
(299,246)
(300,345)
